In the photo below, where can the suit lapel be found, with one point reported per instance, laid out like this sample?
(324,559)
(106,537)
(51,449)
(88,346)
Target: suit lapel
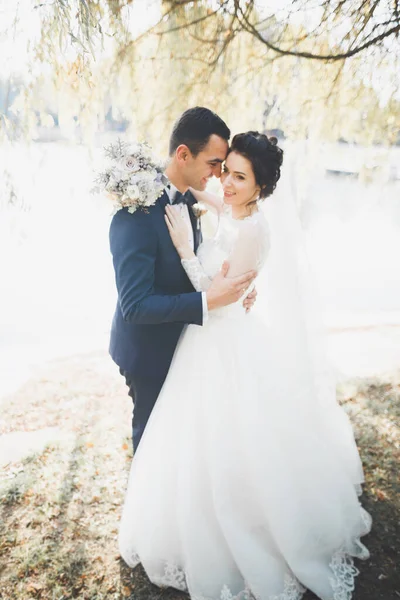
(196,223)
(164,199)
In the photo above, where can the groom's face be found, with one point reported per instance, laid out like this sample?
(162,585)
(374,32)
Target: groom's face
(199,169)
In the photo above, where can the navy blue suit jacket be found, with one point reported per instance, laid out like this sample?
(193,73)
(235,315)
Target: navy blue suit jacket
(155,297)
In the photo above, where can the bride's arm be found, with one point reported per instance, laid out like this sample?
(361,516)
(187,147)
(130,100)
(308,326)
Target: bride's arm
(246,255)
(179,236)
(179,233)
(250,249)
(210,200)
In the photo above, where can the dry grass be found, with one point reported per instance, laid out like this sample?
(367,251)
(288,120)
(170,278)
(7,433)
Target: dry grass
(60,508)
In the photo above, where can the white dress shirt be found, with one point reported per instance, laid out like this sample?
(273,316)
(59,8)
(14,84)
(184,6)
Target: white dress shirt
(184,212)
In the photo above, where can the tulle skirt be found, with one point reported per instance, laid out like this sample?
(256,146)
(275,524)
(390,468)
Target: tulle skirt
(245,484)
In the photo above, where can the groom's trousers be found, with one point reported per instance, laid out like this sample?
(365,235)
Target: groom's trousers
(144,392)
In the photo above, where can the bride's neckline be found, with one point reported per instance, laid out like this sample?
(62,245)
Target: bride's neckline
(247,216)
(228,209)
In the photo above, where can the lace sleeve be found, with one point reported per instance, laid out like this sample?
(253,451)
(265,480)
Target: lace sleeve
(194,270)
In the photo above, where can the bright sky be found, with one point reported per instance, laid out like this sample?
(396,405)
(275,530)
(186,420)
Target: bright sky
(19,25)
(20,28)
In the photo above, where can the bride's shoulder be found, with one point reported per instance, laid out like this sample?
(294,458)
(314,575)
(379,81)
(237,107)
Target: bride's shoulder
(255,222)
(254,232)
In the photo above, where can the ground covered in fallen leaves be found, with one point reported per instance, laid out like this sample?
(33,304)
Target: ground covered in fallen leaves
(60,507)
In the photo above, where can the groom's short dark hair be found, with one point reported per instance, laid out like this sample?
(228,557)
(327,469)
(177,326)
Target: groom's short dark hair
(194,129)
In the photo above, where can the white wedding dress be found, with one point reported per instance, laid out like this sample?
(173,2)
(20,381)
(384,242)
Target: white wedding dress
(244,486)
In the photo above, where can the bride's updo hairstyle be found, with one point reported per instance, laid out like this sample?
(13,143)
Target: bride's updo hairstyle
(265,156)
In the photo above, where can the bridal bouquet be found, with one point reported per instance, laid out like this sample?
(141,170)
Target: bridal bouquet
(134,177)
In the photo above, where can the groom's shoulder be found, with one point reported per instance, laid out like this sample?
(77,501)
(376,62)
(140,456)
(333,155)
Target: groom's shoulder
(140,215)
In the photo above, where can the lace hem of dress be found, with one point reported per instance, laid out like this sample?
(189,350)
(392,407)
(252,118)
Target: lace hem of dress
(342,581)
(174,576)
(342,565)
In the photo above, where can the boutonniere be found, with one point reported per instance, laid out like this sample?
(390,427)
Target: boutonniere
(199,210)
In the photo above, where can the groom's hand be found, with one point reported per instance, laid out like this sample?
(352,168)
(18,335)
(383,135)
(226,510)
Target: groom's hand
(226,290)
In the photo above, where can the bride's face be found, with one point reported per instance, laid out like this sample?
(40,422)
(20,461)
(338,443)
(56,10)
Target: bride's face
(238,181)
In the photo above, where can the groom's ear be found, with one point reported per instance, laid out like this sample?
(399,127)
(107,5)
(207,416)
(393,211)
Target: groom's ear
(182,153)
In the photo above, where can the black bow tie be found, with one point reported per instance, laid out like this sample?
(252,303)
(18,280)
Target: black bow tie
(181,198)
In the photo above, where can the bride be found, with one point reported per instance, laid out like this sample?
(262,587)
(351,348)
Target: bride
(253,492)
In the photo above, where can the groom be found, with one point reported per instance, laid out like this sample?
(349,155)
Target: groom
(155,297)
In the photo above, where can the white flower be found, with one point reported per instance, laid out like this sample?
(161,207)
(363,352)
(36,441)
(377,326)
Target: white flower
(132,191)
(199,210)
(148,176)
(118,174)
(130,164)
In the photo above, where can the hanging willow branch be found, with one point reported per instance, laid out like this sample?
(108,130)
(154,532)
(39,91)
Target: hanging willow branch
(367,23)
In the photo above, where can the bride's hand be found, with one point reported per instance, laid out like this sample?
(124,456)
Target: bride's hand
(178,231)
(249,301)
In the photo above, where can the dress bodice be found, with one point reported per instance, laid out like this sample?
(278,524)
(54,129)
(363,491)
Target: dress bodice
(214,251)
(243,243)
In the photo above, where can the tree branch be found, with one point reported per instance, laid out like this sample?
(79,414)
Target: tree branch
(310,55)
